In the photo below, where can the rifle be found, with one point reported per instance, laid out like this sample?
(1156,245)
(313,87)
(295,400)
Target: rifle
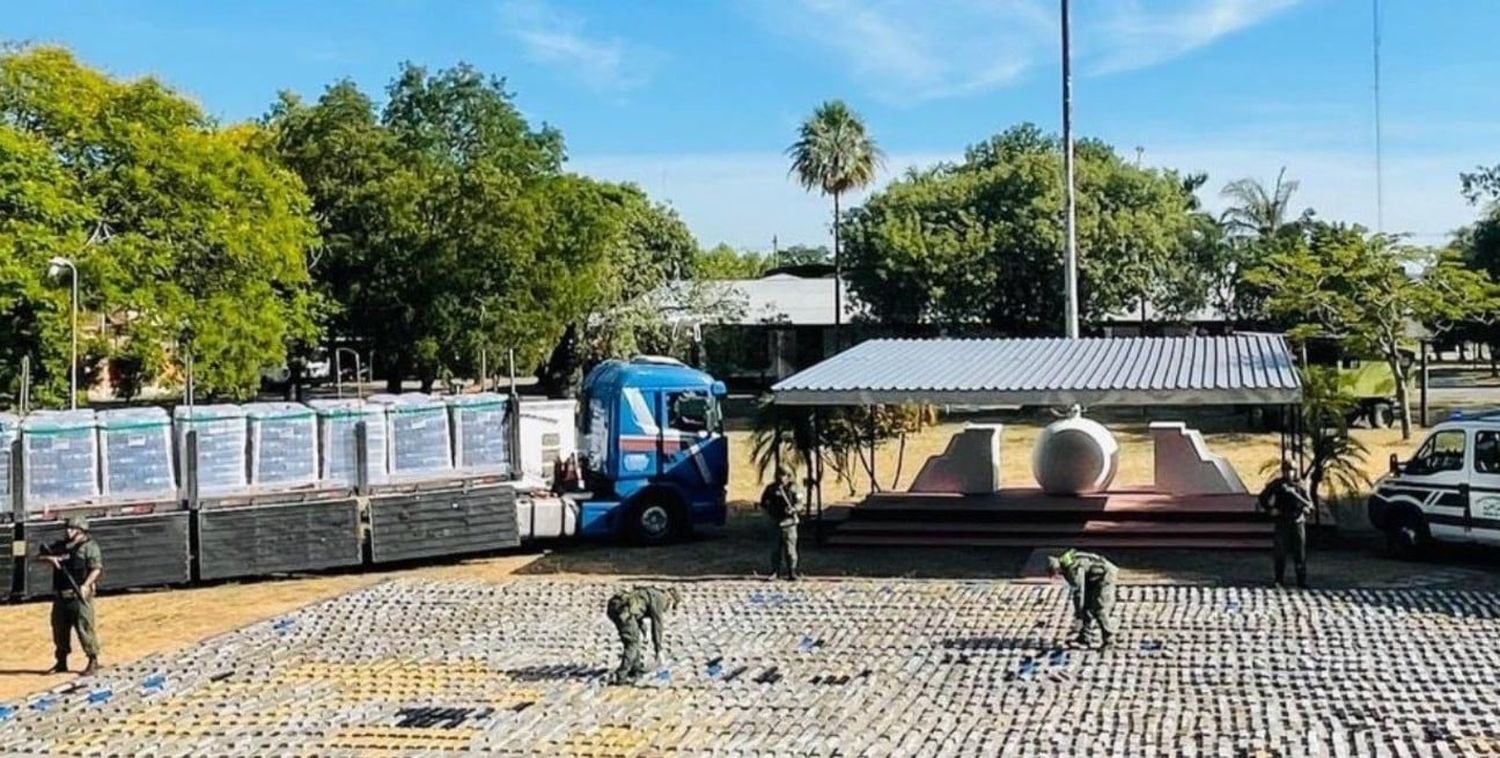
(43,552)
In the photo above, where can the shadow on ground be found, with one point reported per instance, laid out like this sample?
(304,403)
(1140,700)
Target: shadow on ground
(743,548)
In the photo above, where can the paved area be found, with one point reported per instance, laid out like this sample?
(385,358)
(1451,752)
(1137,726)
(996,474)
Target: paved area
(856,667)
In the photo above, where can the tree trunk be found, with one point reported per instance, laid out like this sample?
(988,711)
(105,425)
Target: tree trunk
(1494,368)
(838,281)
(900,462)
(397,366)
(1403,401)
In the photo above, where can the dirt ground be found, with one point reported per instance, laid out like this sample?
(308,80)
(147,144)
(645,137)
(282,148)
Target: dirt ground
(138,624)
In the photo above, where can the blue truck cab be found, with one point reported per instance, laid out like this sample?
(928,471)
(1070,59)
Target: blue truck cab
(653,455)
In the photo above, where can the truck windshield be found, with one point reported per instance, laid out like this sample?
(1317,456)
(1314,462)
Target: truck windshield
(692,411)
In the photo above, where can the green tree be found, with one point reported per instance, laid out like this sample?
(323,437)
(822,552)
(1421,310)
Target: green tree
(803,255)
(834,153)
(724,262)
(449,227)
(1332,461)
(1479,246)
(193,231)
(1256,210)
(1367,289)
(653,249)
(1257,223)
(840,438)
(979,242)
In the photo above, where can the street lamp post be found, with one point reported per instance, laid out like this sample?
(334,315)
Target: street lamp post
(55,267)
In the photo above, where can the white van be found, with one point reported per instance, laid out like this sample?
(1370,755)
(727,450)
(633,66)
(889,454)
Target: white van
(1448,491)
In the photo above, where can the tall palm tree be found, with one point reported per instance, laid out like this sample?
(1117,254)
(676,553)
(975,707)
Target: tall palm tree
(1255,210)
(834,154)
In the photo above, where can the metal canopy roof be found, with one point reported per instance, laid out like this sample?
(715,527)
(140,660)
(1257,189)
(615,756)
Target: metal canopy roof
(1242,369)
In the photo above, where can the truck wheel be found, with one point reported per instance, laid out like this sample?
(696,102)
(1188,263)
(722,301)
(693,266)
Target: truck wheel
(1406,537)
(1381,415)
(654,521)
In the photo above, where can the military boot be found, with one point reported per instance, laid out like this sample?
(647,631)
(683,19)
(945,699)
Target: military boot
(92,668)
(61,667)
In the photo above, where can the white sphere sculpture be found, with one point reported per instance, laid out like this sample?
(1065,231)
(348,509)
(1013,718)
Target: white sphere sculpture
(1075,456)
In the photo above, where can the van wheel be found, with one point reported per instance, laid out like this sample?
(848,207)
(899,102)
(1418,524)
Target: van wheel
(1407,537)
(1381,415)
(655,520)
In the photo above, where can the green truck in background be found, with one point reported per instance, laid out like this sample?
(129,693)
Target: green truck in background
(1368,378)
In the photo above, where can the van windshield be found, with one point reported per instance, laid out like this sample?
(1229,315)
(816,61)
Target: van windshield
(1443,451)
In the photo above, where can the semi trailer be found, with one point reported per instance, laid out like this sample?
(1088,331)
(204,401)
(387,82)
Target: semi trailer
(641,456)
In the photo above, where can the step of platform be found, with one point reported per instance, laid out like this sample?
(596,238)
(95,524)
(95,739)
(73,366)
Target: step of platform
(1258,529)
(1094,542)
(1033,506)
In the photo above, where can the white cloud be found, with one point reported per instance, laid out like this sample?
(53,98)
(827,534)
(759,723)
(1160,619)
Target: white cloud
(906,50)
(555,37)
(1132,37)
(912,50)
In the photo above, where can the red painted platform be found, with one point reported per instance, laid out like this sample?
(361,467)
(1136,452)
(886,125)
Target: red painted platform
(1123,518)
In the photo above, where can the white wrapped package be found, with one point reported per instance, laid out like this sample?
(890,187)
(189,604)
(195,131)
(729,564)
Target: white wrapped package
(481,431)
(283,444)
(10,428)
(339,443)
(135,454)
(59,458)
(221,446)
(417,429)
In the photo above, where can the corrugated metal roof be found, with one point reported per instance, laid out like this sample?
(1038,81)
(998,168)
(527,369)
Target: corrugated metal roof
(1249,369)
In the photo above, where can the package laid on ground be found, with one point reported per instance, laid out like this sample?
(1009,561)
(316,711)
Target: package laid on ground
(135,447)
(10,428)
(283,444)
(221,446)
(338,442)
(59,458)
(420,441)
(481,431)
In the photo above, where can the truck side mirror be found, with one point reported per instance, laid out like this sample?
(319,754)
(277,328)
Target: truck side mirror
(1395,464)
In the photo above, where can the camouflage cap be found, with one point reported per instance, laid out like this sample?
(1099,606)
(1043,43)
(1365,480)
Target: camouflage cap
(77,522)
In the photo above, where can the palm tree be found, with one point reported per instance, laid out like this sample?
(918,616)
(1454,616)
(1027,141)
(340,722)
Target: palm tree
(1256,211)
(834,154)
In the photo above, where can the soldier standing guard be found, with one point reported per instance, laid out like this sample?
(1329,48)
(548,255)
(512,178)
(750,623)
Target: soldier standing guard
(1091,582)
(629,611)
(779,501)
(76,566)
(1288,503)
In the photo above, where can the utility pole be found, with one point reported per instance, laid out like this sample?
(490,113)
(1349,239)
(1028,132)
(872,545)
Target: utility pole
(1379,167)
(1070,253)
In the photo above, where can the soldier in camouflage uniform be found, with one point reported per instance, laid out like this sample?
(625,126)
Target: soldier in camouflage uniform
(779,501)
(1091,581)
(629,611)
(1288,504)
(76,566)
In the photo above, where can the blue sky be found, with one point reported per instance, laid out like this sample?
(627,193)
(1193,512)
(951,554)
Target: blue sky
(696,101)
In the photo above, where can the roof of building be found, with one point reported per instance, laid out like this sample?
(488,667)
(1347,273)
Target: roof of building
(1249,369)
(788,299)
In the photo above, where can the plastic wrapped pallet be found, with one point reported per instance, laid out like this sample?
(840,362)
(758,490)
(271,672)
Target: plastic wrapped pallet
(10,427)
(417,429)
(337,440)
(59,458)
(135,446)
(221,446)
(481,431)
(283,444)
